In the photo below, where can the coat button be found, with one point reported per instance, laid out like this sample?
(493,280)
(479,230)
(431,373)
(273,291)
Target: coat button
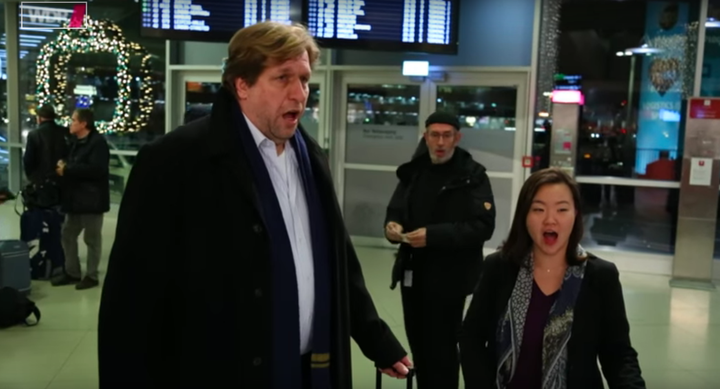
(257,228)
(257,361)
(258,292)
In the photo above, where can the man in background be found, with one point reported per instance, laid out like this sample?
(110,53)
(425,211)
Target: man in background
(441,213)
(85,199)
(46,145)
(41,221)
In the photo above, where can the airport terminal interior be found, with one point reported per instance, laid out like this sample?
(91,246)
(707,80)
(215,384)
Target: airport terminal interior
(607,90)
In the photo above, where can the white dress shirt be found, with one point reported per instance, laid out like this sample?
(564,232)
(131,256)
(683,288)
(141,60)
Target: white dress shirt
(286,178)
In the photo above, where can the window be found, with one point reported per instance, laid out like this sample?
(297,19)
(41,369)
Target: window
(4,135)
(87,78)
(710,85)
(634,63)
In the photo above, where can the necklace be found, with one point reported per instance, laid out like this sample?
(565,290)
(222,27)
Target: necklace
(549,269)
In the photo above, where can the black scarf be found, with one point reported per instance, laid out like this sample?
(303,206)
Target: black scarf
(286,315)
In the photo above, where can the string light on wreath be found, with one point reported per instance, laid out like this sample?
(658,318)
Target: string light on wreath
(98,36)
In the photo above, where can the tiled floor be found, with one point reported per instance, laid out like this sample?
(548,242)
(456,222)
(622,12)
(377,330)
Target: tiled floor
(676,332)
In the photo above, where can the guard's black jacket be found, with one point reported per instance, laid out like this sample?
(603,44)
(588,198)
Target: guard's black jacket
(461,218)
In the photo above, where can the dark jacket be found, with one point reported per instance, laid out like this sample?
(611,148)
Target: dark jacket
(463,219)
(187,298)
(85,184)
(600,329)
(46,145)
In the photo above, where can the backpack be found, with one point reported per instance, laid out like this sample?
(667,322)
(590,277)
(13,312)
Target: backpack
(16,308)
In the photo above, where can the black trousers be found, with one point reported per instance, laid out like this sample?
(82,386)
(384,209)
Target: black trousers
(432,324)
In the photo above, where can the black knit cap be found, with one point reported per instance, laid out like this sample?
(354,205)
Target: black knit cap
(443,118)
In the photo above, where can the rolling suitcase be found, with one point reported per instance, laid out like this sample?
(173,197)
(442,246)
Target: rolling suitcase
(41,229)
(379,377)
(15,266)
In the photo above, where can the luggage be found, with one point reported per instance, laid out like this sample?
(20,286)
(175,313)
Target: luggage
(379,377)
(41,229)
(15,266)
(16,309)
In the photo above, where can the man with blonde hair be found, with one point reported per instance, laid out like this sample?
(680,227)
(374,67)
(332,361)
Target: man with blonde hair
(232,267)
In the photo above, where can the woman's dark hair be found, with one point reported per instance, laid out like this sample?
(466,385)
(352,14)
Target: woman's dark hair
(87,116)
(519,242)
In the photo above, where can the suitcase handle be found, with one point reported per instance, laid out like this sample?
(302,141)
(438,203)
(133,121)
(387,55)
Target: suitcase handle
(409,378)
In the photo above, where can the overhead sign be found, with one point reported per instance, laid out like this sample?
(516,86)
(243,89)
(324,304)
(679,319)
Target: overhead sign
(416,68)
(43,16)
(568,97)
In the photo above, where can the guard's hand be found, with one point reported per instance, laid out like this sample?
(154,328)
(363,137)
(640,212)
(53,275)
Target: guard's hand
(400,369)
(418,238)
(393,231)
(60,168)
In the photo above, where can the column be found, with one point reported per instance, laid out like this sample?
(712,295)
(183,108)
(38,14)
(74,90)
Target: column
(409,16)
(697,208)
(312,17)
(328,18)
(436,21)
(421,21)
(182,19)
(280,11)
(14,103)
(448,22)
(155,14)
(165,14)
(250,13)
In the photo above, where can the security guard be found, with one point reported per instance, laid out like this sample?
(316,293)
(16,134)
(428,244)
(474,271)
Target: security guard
(441,214)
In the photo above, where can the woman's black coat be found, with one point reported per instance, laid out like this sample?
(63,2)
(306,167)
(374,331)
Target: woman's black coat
(600,329)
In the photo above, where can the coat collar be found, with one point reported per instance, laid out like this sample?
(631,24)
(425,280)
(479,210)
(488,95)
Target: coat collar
(221,139)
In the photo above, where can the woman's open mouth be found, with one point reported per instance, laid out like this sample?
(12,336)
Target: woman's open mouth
(550,237)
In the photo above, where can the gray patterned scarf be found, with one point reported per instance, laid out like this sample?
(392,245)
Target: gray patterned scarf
(557,330)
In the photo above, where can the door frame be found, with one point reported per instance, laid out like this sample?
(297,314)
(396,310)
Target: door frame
(370,76)
(518,78)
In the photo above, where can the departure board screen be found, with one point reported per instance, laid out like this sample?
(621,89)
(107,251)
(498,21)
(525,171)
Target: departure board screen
(407,25)
(212,20)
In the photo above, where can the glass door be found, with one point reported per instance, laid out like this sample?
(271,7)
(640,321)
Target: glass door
(198,90)
(492,108)
(379,129)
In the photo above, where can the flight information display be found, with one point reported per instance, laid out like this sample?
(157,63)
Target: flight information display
(209,20)
(422,25)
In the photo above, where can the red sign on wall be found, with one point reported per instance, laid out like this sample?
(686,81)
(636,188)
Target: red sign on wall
(705,109)
(527,161)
